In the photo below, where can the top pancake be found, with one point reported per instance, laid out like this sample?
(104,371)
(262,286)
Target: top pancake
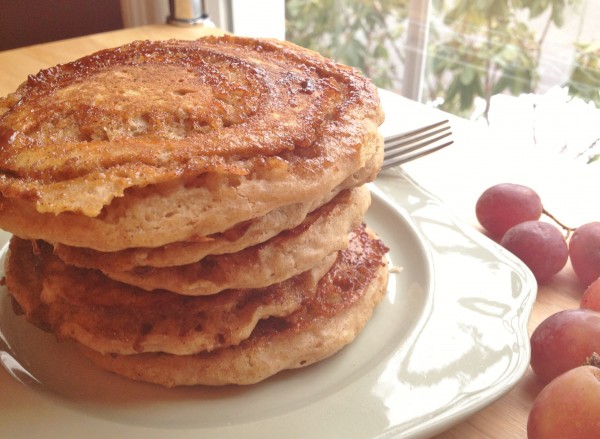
(275,123)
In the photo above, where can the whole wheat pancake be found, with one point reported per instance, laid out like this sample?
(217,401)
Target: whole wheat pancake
(108,316)
(240,236)
(323,232)
(131,222)
(344,302)
(157,142)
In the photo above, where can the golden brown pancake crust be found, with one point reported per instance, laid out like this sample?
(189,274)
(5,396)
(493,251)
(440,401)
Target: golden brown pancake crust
(109,316)
(75,136)
(344,302)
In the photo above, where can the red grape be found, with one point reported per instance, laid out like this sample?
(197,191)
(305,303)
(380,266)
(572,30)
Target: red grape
(568,407)
(541,246)
(591,296)
(564,341)
(505,205)
(584,249)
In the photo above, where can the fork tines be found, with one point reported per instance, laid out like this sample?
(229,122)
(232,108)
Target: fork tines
(410,145)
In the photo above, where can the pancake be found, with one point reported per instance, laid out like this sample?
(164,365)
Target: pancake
(133,223)
(190,212)
(108,316)
(240,236)
(158,142)
(323,232)
(345,299)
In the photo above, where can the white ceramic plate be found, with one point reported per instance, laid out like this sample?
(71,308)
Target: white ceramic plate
(449,338)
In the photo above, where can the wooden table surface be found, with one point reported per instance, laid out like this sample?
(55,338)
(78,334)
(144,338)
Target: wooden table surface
(457,175)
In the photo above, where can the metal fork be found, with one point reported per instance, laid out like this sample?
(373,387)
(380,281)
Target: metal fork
(407,146)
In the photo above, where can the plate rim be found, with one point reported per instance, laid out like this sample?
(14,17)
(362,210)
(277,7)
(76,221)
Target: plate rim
(468,406)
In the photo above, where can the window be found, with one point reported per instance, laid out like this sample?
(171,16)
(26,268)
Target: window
(530,66)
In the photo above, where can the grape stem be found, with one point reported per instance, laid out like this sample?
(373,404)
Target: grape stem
(553,218)
(593,360)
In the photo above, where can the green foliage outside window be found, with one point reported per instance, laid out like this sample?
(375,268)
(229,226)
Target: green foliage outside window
(359,33)
(478,48)
(488,52)
(584,81)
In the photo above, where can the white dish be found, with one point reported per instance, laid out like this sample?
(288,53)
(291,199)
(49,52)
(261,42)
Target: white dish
(449,338)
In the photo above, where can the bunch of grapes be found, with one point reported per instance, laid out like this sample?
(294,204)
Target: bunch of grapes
(511,213)
(564,356)
(565,346)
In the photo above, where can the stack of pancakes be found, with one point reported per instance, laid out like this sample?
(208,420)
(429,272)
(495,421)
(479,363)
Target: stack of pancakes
(192,212)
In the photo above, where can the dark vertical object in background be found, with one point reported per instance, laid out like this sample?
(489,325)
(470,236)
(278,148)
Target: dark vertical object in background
(26,22)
